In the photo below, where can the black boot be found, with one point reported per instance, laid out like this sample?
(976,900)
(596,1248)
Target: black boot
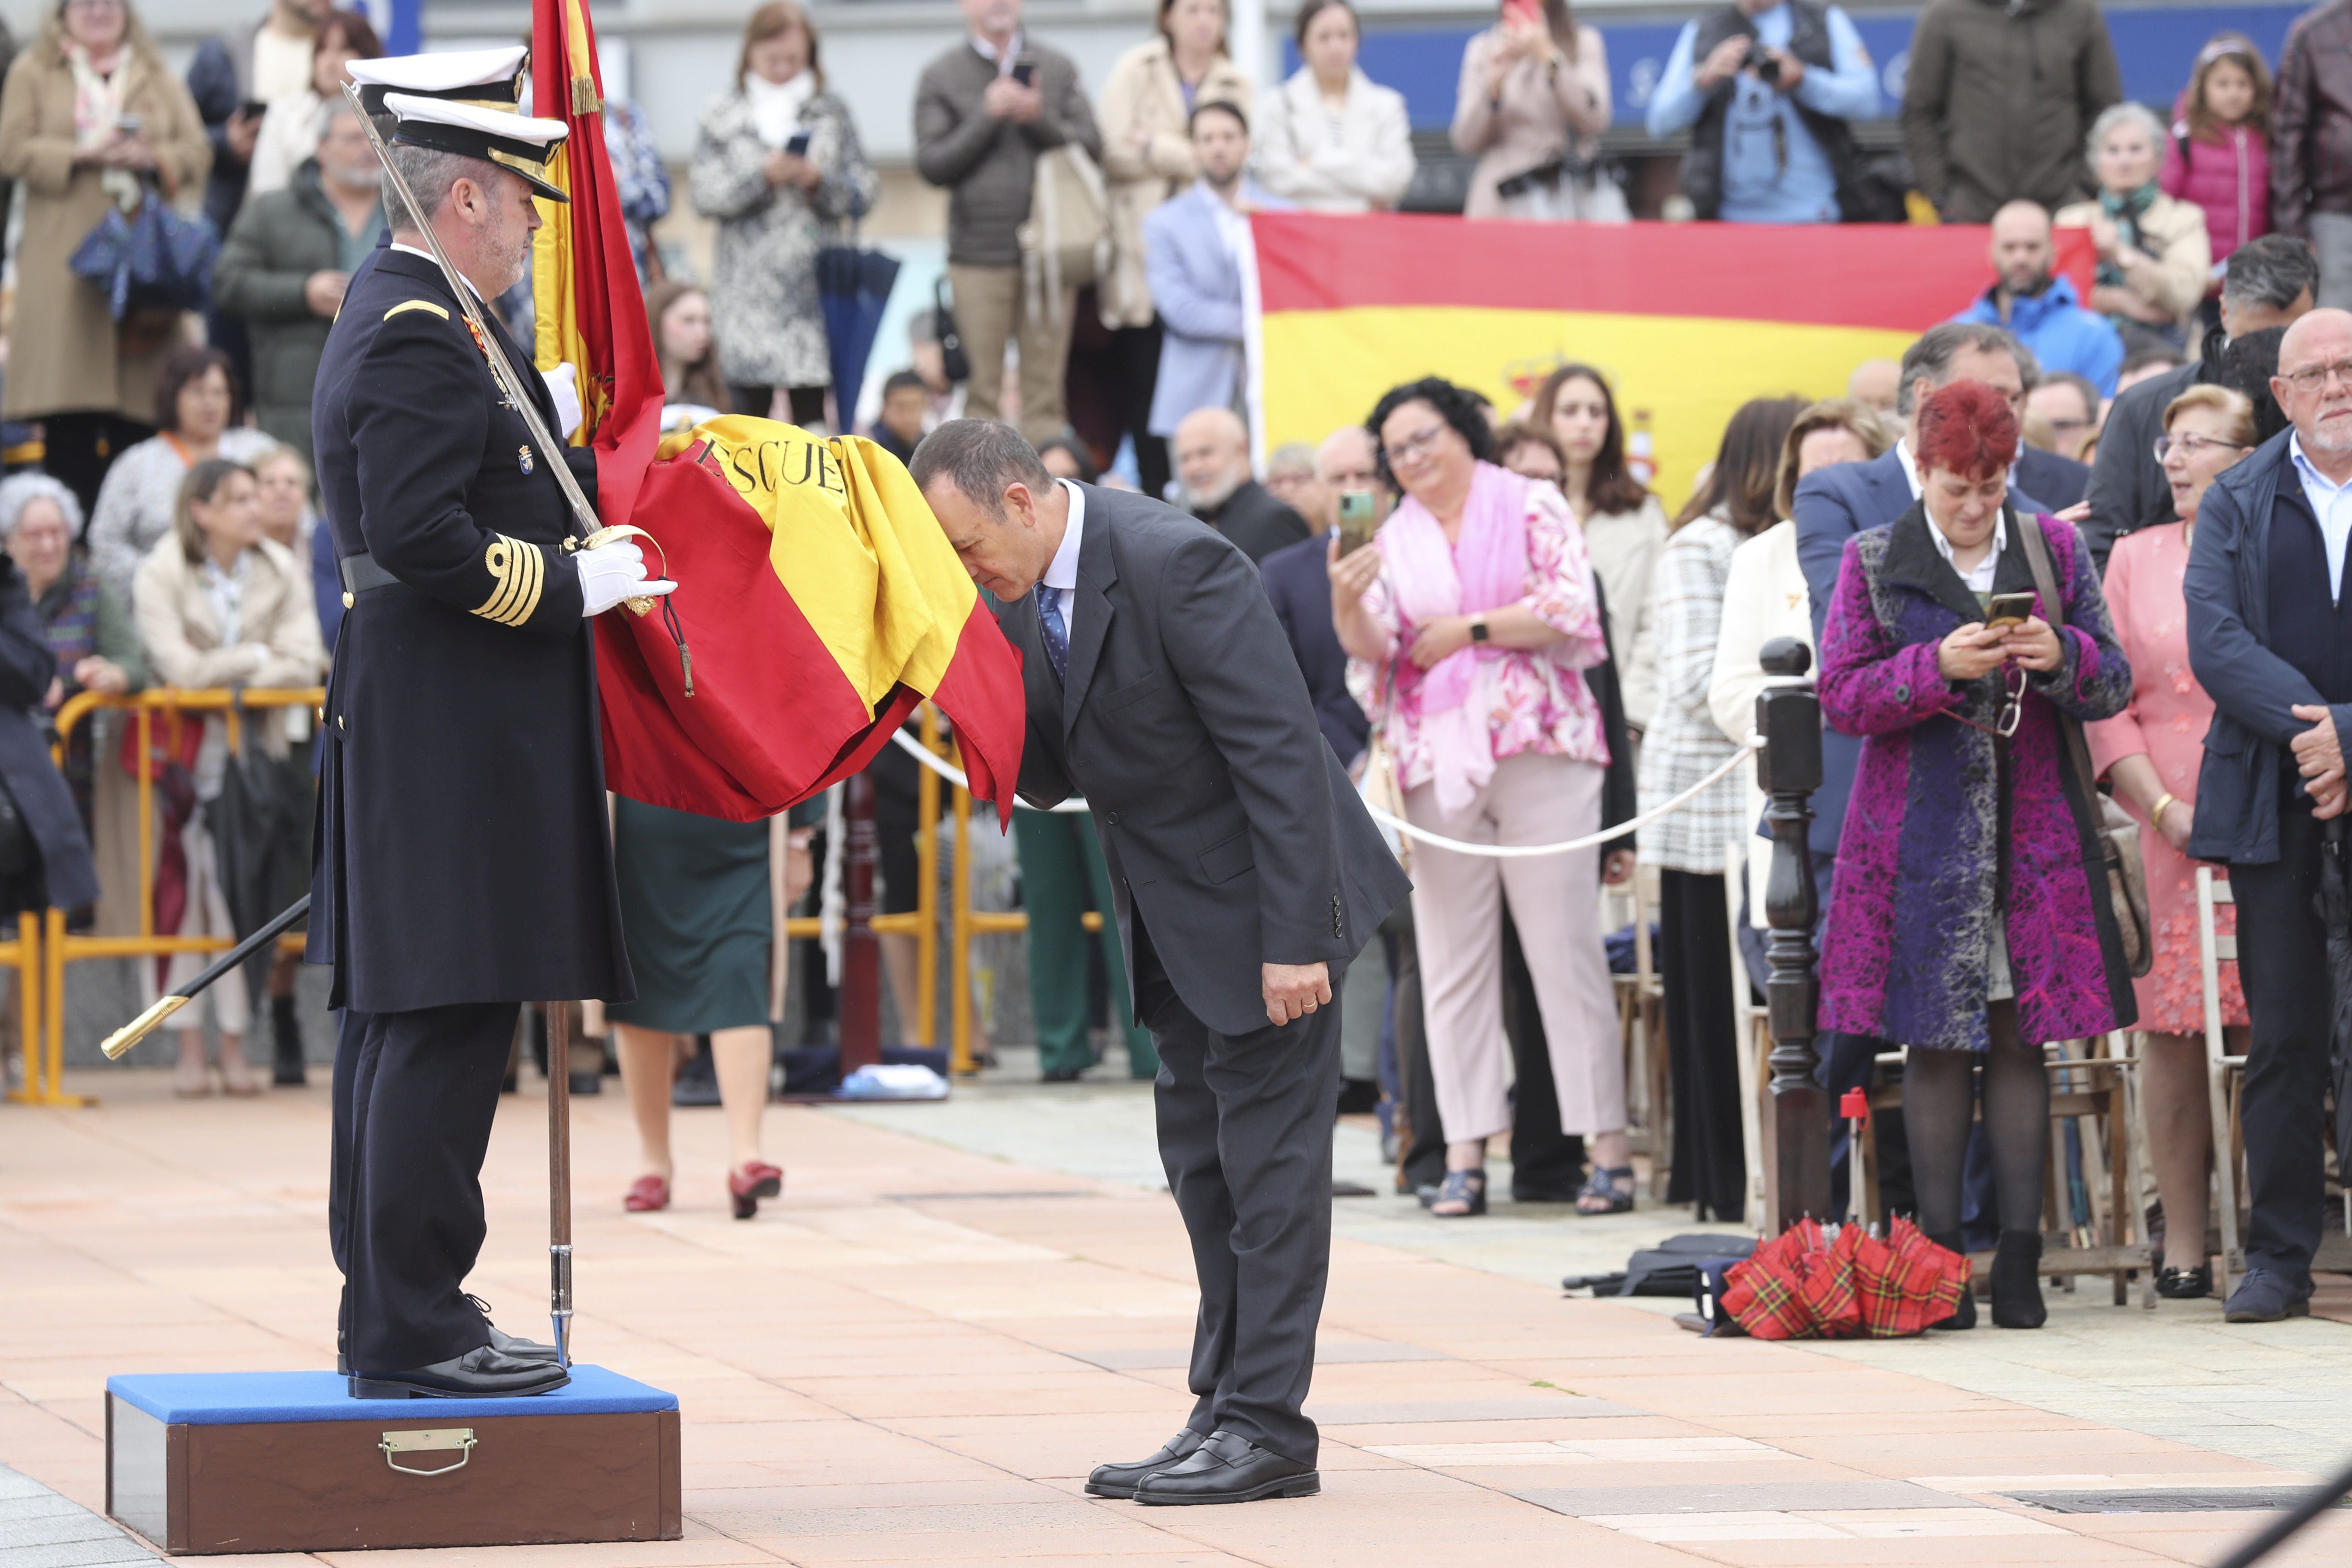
(286,1042)
(1964,1316)
(2017,1281)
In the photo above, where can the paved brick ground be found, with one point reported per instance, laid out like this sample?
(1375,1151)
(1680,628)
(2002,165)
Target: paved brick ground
(917,1353)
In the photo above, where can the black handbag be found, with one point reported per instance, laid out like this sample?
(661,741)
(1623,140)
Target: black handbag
(954,362)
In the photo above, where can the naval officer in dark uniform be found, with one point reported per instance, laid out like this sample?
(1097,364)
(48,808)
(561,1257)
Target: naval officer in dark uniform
(463,864)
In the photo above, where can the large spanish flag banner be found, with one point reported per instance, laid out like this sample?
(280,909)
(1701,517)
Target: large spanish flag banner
(820,601)
(591,311)
(1688,321)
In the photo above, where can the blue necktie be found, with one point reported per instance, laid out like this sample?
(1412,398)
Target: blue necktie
(1058,634)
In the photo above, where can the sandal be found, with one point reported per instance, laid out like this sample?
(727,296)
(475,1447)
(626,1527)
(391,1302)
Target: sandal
(646,1194)
(1467,1188)
(1601,1194)
(747,1186)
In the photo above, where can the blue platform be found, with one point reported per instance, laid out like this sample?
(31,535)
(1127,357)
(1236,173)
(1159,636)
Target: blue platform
(239,1398)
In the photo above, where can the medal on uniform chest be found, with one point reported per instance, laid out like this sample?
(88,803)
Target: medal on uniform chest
(506,399)
(524,453)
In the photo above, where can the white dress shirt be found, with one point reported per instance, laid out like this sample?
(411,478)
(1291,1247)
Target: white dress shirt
(1910,466)
(1980,577)
(427,255)
(2327,501)
(1061,571)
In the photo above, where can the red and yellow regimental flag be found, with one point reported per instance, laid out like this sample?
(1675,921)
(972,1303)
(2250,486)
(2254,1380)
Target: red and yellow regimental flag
(821,601)
(590,310)
(1688,321)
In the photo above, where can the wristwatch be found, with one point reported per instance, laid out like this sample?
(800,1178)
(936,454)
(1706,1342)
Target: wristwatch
(1478,629)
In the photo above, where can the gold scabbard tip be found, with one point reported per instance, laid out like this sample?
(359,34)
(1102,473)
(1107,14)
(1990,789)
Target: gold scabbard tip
(139,1029)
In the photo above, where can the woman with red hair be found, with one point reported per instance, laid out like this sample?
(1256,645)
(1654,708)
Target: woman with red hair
(1968,919)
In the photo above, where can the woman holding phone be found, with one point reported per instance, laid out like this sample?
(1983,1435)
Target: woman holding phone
(1468,626)
(1533,102)
(778,164)
(1968,919)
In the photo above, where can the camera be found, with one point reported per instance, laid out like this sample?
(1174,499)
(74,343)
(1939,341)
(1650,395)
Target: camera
(1759,60)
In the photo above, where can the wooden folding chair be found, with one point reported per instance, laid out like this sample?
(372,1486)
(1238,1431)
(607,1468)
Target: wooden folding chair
(2225,1074)
(1641,1021)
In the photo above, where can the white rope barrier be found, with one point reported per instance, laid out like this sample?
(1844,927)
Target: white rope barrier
(955,776)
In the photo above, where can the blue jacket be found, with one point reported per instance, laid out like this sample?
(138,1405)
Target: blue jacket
(1833,504)
(2061,334)
(2253,688)
(1196,286)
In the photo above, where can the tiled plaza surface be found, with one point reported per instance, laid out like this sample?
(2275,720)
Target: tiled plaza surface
(955,1310)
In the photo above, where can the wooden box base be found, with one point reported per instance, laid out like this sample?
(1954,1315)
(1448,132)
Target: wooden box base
(237,1462)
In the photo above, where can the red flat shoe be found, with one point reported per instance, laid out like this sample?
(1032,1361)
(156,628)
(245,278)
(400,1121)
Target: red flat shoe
(755,1181)
(648,1193)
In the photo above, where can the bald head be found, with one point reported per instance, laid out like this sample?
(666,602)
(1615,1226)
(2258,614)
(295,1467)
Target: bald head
(1874,383)
(2021,249)
(2314,386)
(1211,447)
(1346,460)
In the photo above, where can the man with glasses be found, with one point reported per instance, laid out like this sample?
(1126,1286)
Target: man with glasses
(2270,638)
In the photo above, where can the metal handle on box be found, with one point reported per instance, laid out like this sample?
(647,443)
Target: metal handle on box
(431,1439)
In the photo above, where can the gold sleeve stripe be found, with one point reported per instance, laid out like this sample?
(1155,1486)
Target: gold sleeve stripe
(415,305)
(521,571)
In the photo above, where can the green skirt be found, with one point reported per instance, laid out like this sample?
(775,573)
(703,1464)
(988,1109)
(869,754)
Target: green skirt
(695,915)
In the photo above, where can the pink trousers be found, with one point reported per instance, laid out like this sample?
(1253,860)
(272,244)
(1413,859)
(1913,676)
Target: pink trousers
(1555,899)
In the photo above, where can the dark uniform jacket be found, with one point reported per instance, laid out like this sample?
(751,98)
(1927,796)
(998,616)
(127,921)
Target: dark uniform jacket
(1228,825)
(463,854)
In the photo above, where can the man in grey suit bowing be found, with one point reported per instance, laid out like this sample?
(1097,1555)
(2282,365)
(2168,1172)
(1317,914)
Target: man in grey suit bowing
(1246,875)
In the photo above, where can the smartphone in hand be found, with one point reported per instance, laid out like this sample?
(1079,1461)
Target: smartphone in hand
(1361,512)
(797,145)
(2003,611)
(1024,70)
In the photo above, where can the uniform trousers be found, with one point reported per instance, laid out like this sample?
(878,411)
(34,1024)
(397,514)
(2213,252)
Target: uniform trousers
(2282,961)
(1061,861)
(1245,1138)
(1457,912)
(415,1097)
(992,310)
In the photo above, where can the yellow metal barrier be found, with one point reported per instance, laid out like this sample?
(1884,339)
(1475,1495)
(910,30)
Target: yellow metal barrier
(44,1069)
(57,948)
(965,923)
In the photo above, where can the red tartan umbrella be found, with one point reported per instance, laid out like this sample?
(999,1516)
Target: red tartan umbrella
(1806,1284)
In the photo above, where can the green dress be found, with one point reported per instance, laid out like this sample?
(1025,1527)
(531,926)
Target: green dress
(695,916)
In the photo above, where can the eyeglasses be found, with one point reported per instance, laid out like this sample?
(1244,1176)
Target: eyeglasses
(1361,479)
(1419,446)
(2312,377)
(2192,445)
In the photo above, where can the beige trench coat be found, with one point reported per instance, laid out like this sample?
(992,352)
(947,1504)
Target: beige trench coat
(2184,253)
(1546,110)
(63,356)
(1144,95)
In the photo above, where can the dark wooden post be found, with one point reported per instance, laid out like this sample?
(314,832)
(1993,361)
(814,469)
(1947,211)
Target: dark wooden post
(1788,769)
(860,1011)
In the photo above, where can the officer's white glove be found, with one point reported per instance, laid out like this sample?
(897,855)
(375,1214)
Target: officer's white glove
(562,384)
(611,572)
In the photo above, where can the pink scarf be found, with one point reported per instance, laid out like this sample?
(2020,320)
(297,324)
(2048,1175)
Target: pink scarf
(1485,569)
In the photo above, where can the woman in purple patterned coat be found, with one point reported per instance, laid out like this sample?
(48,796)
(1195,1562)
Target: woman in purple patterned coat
(1963,921)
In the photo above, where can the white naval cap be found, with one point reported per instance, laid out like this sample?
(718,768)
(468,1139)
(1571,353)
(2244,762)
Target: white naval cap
(518,144)
(492,78)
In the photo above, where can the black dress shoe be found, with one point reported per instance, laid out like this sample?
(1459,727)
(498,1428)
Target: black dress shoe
(484,1373)
(509,1344)
(1119,1481)
(2267,1295)
(1229,1468)
(1060,1075)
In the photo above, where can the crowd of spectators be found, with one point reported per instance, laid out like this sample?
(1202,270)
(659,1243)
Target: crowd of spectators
(1534,652)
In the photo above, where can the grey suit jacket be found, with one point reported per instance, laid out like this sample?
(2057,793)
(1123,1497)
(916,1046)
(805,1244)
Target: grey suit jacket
(1229,828)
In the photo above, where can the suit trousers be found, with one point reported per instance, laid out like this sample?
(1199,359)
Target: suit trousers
(2282,961)
(1061,861)
(415,1096)
(1245,1137)
(1457,909)
(1710,1158)
(992,310)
